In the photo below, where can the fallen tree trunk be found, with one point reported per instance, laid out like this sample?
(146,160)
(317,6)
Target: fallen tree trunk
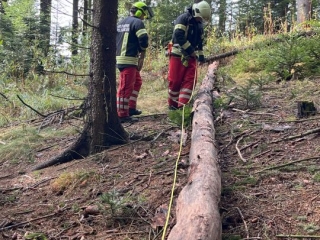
(198,214)
(223,55)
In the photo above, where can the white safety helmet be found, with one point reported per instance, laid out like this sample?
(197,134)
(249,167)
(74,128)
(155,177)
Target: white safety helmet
(202,9)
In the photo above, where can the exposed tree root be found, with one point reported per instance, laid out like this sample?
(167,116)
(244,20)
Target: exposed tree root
(77,150)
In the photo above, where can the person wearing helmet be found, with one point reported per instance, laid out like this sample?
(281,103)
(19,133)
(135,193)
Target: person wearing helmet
(187,49)
(132,42)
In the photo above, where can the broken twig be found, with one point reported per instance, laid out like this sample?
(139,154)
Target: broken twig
(297,136)
(244,222)
(286,164)
(238,150)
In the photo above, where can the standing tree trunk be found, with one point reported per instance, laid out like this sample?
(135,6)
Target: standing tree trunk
(87,13)
(102,127)
(45,25)
(1,6)
(85,18)
(303,10)
(222,16)
(75,24)
(90,9)
(103,120)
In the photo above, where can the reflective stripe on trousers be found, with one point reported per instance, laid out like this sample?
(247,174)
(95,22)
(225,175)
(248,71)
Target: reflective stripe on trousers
(181,80)
(128,90)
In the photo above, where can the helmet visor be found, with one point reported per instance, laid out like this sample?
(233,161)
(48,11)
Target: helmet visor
(147,11)
(150,13)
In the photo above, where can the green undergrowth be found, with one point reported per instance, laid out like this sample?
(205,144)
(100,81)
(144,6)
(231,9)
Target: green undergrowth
(24,142)
(28,103)
(244,78)
(291,56)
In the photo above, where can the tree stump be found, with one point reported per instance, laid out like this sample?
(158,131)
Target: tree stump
(198,214)
(305,109)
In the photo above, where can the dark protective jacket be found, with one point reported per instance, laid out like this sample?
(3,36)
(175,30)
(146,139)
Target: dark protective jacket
(187,35)
(132,38)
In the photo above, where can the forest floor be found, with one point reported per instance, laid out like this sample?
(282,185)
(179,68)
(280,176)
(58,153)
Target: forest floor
(269,165)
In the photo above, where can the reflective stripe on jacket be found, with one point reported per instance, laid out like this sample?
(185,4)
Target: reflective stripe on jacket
(187,35)
(132,38)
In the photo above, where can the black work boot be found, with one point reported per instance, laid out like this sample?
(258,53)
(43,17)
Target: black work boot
(172,108)
(128,119)
(133,111)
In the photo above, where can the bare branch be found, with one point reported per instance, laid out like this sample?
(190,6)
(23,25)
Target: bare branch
(42,115)
(80,99)
(71,74)
(88,24)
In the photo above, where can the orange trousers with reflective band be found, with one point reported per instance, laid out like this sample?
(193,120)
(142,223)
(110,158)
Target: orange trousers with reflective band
(128,90)
(181,80)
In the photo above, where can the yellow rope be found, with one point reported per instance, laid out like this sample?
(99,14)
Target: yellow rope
(174,179)
(177,161)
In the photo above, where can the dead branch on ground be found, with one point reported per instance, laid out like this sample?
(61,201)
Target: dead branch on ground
(244,222)
(238,150)
(287,164)
(316,130)
(32,220)
(255,113)
(297,236)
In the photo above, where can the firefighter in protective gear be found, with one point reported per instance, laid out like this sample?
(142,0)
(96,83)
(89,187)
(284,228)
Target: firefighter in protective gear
(132,42)
(187,49)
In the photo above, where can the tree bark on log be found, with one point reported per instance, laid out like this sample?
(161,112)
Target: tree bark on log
(223,55)
(198,214)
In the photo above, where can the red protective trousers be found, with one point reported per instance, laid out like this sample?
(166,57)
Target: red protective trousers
(129,86)
(181,81)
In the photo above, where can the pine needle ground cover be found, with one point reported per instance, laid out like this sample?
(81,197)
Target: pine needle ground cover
(268,157)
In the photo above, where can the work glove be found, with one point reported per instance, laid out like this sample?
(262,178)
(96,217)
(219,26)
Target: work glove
(140,64)
(201,59)
(140,61)
(185,60)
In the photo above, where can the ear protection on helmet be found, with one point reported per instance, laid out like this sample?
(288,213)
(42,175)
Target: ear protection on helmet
(140,8)
(138,13)
(196,12)
(202,10)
